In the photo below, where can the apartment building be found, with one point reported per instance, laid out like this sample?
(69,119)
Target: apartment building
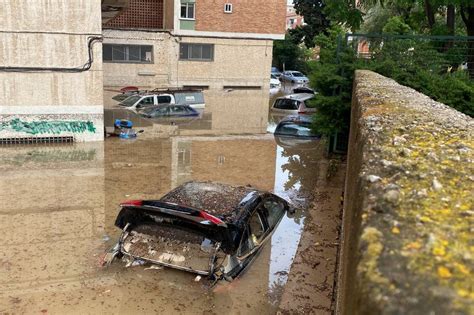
(211,44)
(53,67)
(293,19)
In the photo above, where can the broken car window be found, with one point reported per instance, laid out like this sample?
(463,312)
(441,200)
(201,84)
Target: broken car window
(256,228)
(274,211)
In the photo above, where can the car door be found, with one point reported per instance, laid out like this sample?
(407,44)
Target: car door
(178,111)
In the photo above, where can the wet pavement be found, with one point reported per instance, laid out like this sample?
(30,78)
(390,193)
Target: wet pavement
(59,203)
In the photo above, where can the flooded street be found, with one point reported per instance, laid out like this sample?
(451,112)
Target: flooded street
(59,204)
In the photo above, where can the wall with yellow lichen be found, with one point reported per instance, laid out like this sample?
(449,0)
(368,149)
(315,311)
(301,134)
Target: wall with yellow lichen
(407,244)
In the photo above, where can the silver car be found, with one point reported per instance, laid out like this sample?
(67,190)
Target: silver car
(294,77)
(293,104)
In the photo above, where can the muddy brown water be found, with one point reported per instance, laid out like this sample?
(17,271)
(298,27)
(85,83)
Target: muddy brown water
(59,203)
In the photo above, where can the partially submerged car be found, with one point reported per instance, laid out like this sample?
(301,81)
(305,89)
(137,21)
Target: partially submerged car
(168,110)
(296,126)
(294,77)
(211,229)
(293,104)
(274,82)
(275,71)
(193,98)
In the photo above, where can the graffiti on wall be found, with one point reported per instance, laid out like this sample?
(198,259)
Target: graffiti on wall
(48,126)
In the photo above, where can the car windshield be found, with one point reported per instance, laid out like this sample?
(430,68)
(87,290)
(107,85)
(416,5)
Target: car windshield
(297,74)
(294,129)
(273,76)
(129,101)
(285,103)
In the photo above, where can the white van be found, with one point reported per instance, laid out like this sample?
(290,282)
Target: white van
(195,99)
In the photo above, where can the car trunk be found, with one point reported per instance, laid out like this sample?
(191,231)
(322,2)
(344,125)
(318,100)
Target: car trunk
(173,247)
(169,235)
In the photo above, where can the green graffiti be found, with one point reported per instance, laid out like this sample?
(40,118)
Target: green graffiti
(48,126)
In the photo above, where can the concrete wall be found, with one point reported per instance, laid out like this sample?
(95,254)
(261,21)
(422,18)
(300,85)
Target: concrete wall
(408,209)
(237,62)
(50,33)
(139,74)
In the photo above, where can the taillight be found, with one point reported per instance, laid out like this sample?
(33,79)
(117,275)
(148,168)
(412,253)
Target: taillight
(211,218)
(131,203)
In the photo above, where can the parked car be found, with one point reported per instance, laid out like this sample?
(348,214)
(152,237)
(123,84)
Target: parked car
(294,77)
(303,89)
(276,72)
(274,82)
(168,110)
(193,98)
(207,228)
(296,126)
(293,104)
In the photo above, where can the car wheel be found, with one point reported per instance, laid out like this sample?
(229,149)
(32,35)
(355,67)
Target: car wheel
(292,81)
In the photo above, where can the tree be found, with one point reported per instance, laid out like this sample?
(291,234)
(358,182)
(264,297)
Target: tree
(288,54)
(316,21)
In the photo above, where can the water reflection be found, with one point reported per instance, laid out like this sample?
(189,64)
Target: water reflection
(226,112)
(60,203)
(295,178)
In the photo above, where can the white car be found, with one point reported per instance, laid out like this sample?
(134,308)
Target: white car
(274,82)
(294,77)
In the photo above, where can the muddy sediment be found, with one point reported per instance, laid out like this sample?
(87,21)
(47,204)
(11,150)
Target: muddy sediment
(310,286)
(60,204)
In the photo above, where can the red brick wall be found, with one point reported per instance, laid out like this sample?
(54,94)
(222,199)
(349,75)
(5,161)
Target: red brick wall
(140,14)
(248,16)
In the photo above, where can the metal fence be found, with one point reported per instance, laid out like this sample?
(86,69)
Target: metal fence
(437,54)
(409,59)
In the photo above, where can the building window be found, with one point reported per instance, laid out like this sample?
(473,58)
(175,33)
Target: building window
(127,53)
(187,10)
(199,52)
(228,8)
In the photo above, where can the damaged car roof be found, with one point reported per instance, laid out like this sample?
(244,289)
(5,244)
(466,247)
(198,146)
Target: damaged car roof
(215,198)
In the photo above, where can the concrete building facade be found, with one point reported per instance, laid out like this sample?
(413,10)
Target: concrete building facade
(51,70)
(193,43)
(53,67)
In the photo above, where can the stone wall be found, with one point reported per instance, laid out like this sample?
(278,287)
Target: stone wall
(408,215)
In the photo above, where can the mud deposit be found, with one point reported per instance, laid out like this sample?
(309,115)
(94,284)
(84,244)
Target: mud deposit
(59,204)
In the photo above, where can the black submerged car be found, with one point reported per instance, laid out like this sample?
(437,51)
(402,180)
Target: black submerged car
(206,228)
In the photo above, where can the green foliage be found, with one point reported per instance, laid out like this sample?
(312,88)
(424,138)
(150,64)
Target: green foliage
(333,81)
(426,66)
(287,52)
(395,25)
(315,20)
(344,12)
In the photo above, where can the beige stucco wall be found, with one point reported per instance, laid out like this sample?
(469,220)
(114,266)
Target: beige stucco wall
(50,33)
(139,74)
(237,62)
(241,62)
